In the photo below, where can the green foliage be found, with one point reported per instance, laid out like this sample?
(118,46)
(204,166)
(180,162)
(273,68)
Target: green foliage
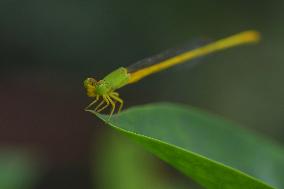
(213,152)
(18,169)
(119,166)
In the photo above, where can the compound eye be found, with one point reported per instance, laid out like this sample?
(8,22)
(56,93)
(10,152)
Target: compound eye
(89,82)
(92,81)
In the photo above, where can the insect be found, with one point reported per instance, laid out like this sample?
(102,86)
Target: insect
(104,91)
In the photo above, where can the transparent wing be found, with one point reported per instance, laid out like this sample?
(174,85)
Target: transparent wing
(171,58)
(147,62)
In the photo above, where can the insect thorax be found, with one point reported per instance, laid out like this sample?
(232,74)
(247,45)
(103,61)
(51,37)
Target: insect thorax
(103,87)
(117,79)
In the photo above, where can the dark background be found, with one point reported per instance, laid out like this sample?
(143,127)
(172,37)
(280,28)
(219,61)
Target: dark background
(49,47)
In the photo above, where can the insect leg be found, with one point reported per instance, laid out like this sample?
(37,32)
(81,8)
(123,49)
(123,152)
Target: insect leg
(100,104)
(105,99)
(118,100)
(94,102)
(115,93)
(112,105)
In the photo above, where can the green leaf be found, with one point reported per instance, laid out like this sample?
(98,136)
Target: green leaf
(212,151)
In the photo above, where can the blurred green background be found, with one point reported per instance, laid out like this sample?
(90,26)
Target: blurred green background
(49,47)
